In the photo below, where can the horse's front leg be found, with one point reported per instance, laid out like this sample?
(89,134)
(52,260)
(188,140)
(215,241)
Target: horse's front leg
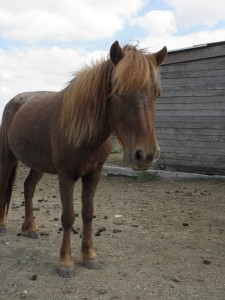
(89,184)
(65,263)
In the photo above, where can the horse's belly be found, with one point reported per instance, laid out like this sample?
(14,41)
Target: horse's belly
(32,153)
(30,139)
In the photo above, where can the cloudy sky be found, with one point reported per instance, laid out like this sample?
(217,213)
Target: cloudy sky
(42,42)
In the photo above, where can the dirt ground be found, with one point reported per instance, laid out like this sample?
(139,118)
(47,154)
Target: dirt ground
(163,239)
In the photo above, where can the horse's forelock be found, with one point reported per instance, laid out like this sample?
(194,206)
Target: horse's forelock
(134,70)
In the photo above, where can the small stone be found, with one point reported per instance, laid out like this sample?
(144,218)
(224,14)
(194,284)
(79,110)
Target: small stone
(185,224)
(119,223)
(33,277)
(117,230)
(15,206)
(171,278)
(24,294)
(102,291)
(206,262)
(99,231)
(44,233)
(41,200)
(75,231)
(118,216)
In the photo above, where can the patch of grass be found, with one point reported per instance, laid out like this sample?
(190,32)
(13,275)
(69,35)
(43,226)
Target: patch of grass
(117,151)
(146,177)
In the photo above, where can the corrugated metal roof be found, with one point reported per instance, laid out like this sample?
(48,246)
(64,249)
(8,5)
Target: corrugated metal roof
(198,46)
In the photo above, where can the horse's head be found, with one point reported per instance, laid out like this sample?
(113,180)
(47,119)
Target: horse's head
(135,88)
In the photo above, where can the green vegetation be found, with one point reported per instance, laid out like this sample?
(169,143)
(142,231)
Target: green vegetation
(117,151)
(146,177)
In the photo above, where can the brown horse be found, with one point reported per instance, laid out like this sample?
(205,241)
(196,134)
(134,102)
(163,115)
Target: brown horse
(68,133)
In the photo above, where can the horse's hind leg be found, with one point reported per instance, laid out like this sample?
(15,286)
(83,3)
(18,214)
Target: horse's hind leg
(29,227)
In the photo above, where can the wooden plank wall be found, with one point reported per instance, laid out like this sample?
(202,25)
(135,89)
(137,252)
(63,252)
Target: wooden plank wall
(190,116)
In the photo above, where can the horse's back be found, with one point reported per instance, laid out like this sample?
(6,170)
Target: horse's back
(17,102)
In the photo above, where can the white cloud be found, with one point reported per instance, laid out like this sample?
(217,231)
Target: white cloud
(197,12)
(151,24)
(67,20)
(39,69)
(173,42)
(188,23)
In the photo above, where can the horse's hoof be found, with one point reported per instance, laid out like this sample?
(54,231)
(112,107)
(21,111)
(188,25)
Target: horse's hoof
(91,264)
(2,229)
(66,272)
(32,234)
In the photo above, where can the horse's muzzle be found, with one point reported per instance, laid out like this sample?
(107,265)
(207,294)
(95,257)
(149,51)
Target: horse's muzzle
(143,161)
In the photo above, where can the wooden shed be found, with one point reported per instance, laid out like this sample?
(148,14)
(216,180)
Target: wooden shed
(190,117)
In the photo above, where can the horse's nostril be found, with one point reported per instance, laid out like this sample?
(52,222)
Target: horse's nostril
(139,155)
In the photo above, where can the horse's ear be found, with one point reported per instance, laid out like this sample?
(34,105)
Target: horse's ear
(160,55)
(116,53)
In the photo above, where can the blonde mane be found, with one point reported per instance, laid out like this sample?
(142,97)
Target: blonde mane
(135,70)
(85,98)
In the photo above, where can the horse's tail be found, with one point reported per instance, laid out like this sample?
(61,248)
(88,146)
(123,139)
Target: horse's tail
(11,180)
(8,192)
